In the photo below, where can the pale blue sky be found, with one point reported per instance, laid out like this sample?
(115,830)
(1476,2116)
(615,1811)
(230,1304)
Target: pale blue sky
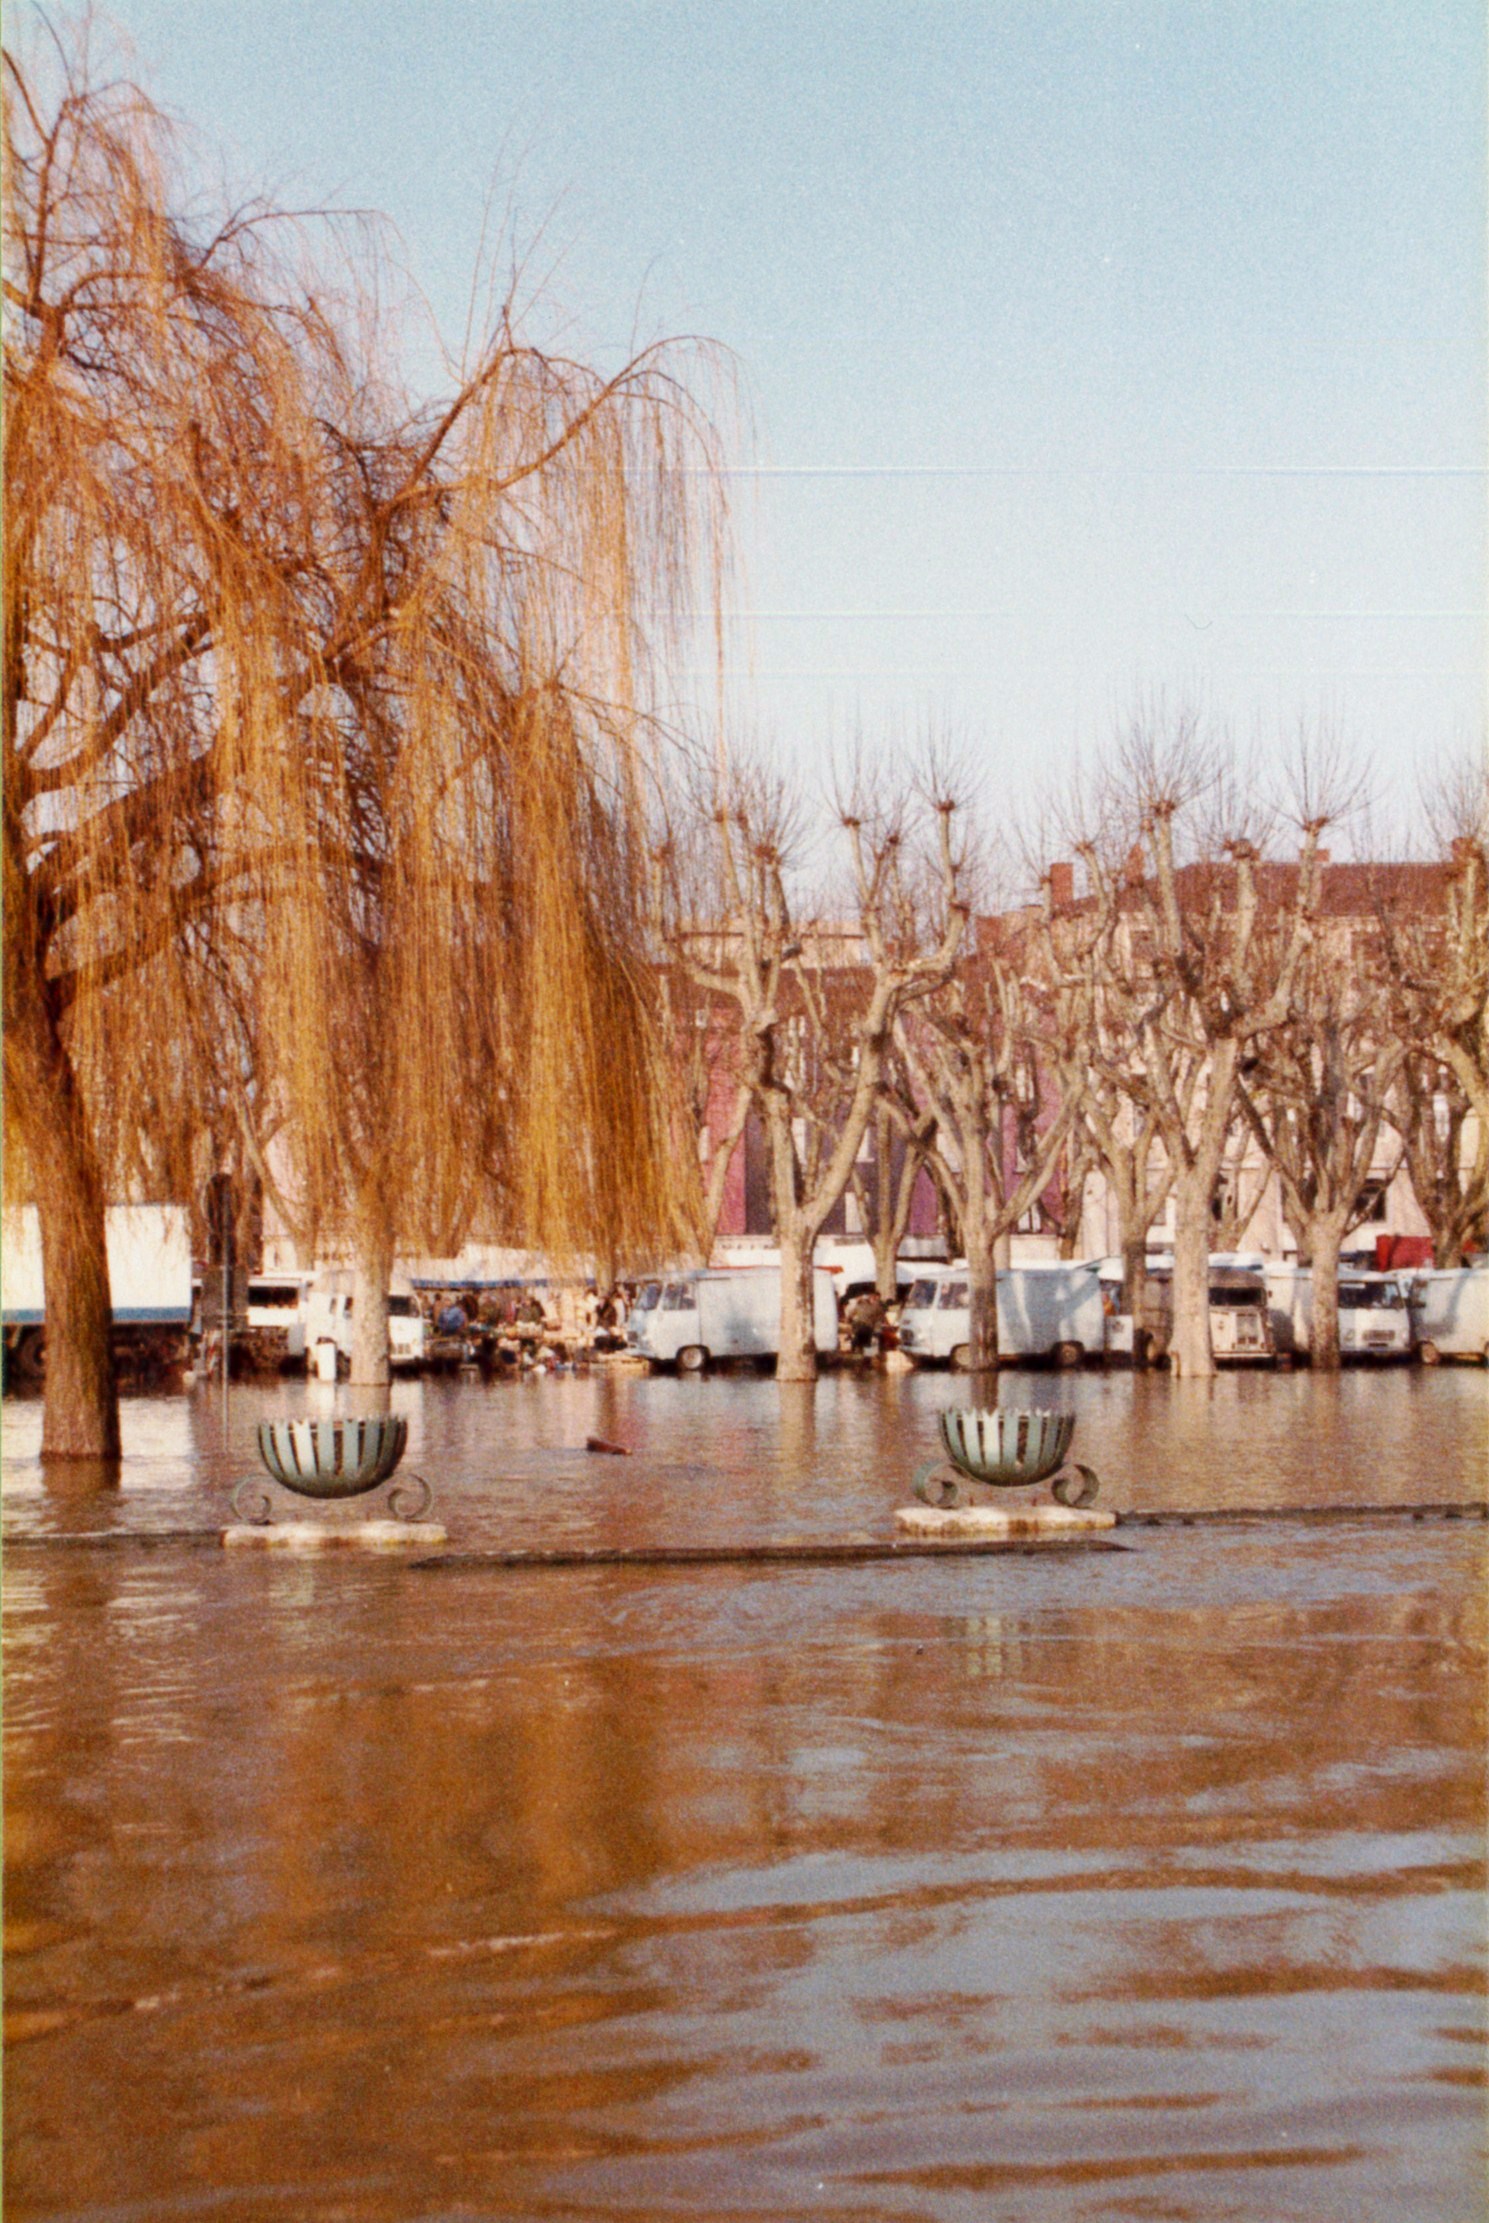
(1093,347)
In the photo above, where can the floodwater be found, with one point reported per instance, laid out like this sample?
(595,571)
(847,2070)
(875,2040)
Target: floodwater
(1140,1883)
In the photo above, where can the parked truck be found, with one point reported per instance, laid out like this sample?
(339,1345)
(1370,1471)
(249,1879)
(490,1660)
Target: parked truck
(696,1318)
(149,1253)
(1373,1320)
(1450,1313)
(1046,1311)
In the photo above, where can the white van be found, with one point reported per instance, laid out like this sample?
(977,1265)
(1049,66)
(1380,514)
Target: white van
(692,1318)
(1450,1313)
(1373,1320)
(1043,1312)
(328,1319)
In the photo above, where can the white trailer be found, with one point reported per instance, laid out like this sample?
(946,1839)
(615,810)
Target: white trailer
(1373,1319)
(328,1321)
(1450,1313)
(1047,1311)
(736,1313)
(149,1253)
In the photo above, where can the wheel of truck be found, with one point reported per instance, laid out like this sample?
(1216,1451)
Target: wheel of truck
(961,1358)
(1070,1354)
(1430,1355)
(30,1358)
(692,1359)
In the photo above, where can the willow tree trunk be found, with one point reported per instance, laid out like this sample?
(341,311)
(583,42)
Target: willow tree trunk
(1325,1236)
(797,1360)
(1191,1351)
(372,1270)
(80,1413)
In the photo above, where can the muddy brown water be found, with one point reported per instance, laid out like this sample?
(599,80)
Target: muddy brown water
(1146,1884)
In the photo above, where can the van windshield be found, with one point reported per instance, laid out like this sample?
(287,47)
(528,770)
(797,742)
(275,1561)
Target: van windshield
(922,1296)
(401,1308)
(1369,1296)
(273,1296)
(646,1300)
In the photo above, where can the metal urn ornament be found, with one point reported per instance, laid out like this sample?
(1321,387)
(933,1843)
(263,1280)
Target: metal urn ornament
(1006,1450)
(332,1459)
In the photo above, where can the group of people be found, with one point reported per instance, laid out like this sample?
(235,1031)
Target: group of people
(505,1311)
(519,1316)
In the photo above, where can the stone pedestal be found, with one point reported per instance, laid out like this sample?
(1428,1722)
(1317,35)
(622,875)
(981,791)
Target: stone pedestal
(323,1536)
(1050,1521)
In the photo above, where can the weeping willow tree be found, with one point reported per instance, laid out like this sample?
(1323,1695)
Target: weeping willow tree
(327,721)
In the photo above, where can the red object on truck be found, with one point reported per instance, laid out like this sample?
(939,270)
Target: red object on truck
(1395,1253)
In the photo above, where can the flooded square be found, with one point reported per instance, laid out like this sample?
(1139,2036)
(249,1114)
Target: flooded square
(1131,1884)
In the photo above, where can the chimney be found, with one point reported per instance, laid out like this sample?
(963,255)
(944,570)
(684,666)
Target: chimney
(1062,886)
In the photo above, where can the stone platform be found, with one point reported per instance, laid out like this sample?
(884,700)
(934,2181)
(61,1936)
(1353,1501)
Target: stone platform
(328,1536)
(937,1523)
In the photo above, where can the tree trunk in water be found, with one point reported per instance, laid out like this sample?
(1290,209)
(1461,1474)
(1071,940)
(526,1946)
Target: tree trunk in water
(1190,1349)
(982,1317)
(1324,1239)
(797,1361)
(80,1413)
(372,1271)
(1135,1277)
(886,1264)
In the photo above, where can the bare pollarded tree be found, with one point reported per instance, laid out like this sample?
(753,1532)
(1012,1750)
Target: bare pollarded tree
(1092,1052)
(977,1051)
(1199,947)
(1315,1096)
(327,690)
(817,1000)
(895,1154)
(1435,978)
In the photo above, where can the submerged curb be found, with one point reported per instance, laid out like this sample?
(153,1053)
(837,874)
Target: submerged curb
(856,1549)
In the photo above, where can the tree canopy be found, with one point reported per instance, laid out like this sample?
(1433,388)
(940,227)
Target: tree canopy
(328,714)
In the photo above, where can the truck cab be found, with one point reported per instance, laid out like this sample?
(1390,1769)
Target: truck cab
(1374,1322)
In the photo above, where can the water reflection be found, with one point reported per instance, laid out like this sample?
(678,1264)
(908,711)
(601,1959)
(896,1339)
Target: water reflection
(1133,1886)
